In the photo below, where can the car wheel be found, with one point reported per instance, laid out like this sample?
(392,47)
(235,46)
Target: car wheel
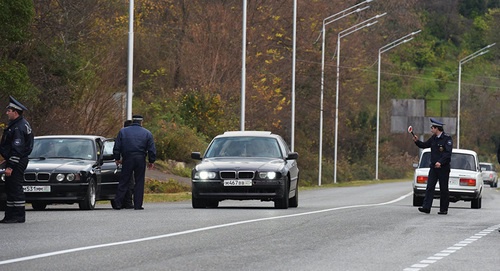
(294,202)
(38,206)
(198,203)
(476,203)
(213,203)
(89,202)
(282,203)
(3,205)
(418,201)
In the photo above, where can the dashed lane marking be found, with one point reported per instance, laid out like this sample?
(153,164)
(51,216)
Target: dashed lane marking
(447,252)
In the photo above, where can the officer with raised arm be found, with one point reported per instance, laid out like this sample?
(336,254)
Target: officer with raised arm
(441,146)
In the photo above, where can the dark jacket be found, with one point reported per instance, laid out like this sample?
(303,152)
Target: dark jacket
(441,149)
(17,141)
(133,140)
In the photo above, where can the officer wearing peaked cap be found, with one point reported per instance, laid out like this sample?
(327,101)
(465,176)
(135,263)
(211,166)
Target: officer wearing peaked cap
(441,145)
(15,146)
(132,145)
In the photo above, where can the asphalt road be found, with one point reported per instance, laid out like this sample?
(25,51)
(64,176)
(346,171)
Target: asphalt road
(356,228)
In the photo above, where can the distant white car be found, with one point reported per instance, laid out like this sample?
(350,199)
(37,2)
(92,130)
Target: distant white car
(465,183)
(490,176)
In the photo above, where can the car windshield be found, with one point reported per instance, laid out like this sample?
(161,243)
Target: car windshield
(486,167)
(74,148)
(458,161)
(244,147)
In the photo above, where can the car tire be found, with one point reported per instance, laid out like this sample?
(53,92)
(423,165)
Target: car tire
(282,203)
(38,206)
(418,201)
(476,203)
(213,203)
(294,202)
(90,198)
(198,203)
(3,205)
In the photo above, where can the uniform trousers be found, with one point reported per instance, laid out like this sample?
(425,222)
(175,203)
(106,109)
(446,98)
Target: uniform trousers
(443,175)
(16,200)
(132,165)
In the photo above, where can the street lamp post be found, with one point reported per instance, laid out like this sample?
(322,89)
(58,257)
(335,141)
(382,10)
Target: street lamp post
(463,61)
(243,65)
(130,67)
(342,34)
(328,20)
(384,49)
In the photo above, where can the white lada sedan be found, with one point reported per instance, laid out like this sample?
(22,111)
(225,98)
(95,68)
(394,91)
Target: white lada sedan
(465,183)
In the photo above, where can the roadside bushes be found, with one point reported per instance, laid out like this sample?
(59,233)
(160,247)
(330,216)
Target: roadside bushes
(170,186)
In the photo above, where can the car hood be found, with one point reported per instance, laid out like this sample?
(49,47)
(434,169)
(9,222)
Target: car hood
(253,164)
(59,165)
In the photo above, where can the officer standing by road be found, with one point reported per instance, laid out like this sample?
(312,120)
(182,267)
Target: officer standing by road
(15,146)
(441,145)
(127,201)
(132,145)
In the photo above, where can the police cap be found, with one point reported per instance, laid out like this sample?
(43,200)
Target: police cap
(436,123)
(14,104)
(137,117)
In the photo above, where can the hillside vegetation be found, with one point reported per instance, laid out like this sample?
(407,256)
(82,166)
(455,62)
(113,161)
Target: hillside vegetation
(67,61)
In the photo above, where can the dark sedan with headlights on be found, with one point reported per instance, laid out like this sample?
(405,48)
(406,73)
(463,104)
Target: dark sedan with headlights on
(68,169)
(246,165)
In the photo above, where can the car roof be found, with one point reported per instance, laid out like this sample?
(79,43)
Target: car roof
(464,151)
(247,133)
(93,137)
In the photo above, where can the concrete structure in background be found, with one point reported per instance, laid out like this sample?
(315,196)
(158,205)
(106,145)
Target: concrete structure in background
(406,112)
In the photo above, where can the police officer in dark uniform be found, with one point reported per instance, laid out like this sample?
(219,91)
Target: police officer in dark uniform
(441,146)
(132,145)
(127,201)
(15,146)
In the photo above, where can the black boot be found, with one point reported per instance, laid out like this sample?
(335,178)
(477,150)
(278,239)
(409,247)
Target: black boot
(14,215)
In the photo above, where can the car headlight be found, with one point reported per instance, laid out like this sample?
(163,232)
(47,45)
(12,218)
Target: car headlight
(70,177)
(204,175)
(60,177)
(2,177)
(271,175)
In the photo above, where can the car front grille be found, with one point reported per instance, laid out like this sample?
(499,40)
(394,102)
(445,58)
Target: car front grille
(37,177)
(237,175)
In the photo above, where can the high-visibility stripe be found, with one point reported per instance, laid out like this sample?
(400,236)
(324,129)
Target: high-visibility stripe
(14,159)
(19,203)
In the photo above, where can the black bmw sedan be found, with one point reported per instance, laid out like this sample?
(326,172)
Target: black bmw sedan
(246,165)
(68,169)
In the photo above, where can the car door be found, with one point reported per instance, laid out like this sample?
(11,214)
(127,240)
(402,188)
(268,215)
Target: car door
(109,171)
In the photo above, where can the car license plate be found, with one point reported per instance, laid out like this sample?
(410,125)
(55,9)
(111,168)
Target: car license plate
(34,188)
(237,182)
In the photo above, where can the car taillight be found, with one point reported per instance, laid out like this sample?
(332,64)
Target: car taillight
(468,182)
(422,179)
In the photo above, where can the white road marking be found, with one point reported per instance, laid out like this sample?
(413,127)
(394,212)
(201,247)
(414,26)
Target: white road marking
(442,254)
(66,251)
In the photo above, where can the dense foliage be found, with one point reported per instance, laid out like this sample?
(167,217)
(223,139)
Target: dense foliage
(67,61)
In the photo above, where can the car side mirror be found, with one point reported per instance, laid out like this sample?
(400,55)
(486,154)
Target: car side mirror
(415,165)
(196,155)
(292,156)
